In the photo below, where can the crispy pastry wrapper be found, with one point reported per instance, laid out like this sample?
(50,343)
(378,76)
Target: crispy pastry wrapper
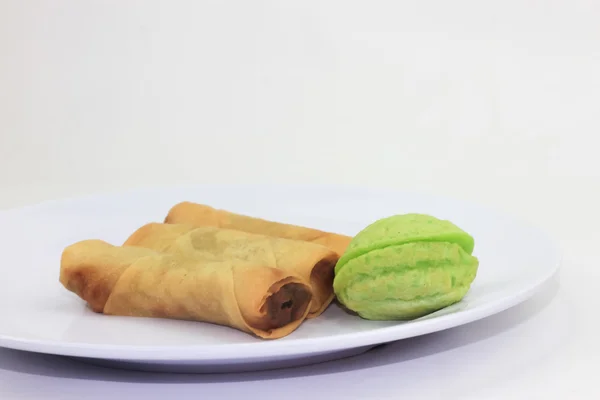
(135,281)
(312,262)
(203,215)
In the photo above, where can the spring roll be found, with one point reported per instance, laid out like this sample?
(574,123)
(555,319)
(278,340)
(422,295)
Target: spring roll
(312,262)
(140,282)
(203,215)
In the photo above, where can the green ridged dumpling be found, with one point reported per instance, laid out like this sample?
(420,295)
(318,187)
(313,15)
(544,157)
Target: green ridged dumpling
(405,266)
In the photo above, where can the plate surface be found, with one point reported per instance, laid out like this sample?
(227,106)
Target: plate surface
(37,314)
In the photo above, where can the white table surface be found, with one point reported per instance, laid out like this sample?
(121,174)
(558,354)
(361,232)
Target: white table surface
(494,102)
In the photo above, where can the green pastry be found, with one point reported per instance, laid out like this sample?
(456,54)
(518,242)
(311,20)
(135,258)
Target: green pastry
(405,266)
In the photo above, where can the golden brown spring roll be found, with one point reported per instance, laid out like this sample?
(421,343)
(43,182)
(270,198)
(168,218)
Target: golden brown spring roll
(135,281)
(312,262)
(202,215)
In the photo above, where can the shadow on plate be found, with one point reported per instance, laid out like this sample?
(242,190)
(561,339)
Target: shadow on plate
(392,353)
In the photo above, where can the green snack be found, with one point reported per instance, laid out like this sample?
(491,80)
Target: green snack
(404,267)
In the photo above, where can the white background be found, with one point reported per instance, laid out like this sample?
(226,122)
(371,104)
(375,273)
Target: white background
(494,102)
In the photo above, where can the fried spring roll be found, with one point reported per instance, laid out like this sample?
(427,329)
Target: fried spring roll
(312,262)
(202,215)
(134,281)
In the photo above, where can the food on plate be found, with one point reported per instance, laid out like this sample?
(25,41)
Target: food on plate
(312,262)
(203,215)
(264,277)
(134,281)
(404,267)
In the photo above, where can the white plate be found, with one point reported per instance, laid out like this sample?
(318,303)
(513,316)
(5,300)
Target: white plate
(38,314)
